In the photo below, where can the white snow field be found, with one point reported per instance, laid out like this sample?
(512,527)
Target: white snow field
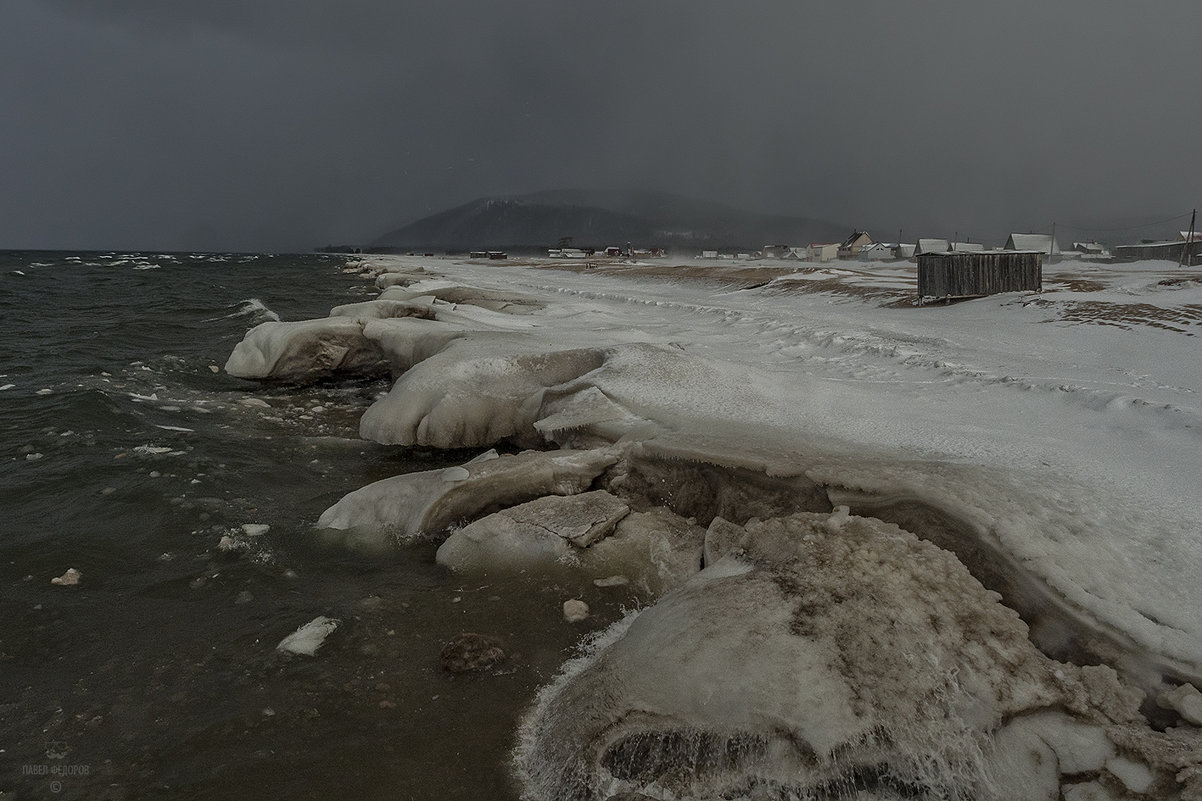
(894,551)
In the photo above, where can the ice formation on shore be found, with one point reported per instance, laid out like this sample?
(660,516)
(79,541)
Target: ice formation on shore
(831,620)
(828,656)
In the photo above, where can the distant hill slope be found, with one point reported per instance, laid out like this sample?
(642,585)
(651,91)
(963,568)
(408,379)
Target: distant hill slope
(602,218)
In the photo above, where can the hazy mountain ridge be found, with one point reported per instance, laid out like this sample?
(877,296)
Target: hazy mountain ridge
(599,218)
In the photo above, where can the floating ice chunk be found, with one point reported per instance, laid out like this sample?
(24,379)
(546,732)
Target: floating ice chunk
(255,529)
(44,392)
(309,637)
(151,450)
(7,386)
(179,429)
(305,351)
(611,581)
(257,403)
(575,610)
(68,579)
(423,505)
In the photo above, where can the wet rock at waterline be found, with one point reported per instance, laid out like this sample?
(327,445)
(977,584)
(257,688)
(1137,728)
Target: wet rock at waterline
(833,656)
(470,652)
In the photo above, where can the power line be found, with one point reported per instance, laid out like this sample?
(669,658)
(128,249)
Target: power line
(1127,227)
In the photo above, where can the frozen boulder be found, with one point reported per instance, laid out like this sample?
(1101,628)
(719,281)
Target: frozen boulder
(383,310)
(424,505)
(542,531)
(818,661)
(494,300)
(305,351)
(474,392)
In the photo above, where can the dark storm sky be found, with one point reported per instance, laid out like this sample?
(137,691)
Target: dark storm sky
(283,124)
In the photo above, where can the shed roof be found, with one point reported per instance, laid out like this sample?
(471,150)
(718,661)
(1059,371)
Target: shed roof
(931,246)
(1039,243)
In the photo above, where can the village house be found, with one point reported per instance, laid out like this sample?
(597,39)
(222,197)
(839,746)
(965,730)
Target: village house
(850,248)
(877,251)
(820,251)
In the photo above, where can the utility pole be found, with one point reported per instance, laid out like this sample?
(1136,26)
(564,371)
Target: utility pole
(1189,241)
(1052,243)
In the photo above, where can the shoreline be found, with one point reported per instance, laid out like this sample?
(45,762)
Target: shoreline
(726,448)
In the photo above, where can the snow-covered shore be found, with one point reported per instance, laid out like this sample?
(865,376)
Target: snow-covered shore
(771,424)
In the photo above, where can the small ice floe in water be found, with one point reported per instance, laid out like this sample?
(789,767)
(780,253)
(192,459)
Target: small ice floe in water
(256,402)
(33,457)
(611,581)
(309,637)
(575,610)
(7,386)
(470,652)
(151,450)
(68,579)
(44,392)
(180,429)
(18,272)
(255,529)
(214,368)
(228,544)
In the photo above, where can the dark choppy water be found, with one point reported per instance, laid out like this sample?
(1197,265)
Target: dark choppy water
(126,454)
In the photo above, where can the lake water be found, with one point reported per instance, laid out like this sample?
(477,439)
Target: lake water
(128,455)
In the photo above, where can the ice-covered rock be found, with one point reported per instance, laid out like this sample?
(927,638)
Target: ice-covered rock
(383,310)
(309,637)
(824,661)
(425,505)
(536,533)
(473,392)
(305,351)
(507,302)
(592,533)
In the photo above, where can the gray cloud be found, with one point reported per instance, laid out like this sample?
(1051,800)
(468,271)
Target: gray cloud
(284,124)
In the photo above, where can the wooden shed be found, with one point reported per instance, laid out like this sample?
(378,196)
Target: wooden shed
(975,274)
